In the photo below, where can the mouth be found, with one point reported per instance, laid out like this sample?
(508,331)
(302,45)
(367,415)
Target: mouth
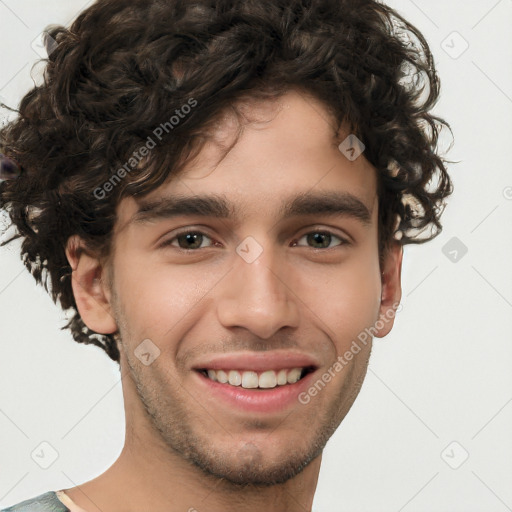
(255,392)
(257,380)
(248,382)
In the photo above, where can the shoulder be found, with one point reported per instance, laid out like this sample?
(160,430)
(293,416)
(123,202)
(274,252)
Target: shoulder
(47,502)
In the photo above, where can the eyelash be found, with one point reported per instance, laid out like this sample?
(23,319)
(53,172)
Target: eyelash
(167,243)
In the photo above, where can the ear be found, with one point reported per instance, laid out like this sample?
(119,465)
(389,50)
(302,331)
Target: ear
(391,289)
(90,288)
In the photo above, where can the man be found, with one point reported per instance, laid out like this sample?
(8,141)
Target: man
(221,192)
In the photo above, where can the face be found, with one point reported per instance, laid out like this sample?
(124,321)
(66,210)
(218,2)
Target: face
(271,264)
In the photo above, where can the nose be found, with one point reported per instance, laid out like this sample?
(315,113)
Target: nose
(258,296)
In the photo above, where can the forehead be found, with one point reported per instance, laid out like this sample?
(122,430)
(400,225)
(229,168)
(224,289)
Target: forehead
(289,148)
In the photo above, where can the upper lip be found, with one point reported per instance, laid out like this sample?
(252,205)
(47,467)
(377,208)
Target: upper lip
(261,361)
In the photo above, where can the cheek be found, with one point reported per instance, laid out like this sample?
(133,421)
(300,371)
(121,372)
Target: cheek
(158,298)
(346,298)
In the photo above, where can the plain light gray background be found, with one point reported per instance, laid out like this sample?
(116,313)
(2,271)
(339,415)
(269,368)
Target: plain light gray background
(439,387)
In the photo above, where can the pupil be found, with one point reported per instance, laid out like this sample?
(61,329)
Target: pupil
(191,238)
(316,238)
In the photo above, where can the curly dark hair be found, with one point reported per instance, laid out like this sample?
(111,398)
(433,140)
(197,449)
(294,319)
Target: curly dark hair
(124,66)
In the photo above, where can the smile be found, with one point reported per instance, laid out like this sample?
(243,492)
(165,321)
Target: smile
(249,379)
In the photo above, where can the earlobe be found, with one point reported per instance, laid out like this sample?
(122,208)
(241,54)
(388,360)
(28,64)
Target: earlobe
(90,290)
(391,289)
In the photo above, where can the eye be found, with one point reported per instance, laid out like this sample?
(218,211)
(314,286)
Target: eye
(321,239)
(187,240)
(193,240)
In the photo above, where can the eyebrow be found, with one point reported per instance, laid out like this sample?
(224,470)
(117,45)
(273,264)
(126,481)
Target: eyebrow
(330,203)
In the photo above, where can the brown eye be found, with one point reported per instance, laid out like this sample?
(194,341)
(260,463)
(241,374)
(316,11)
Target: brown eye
(321,239)
(188,240)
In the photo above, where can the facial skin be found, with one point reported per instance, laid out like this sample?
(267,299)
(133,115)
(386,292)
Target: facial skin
(184,447)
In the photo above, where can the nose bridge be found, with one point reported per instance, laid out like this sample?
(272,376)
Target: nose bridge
(256,296)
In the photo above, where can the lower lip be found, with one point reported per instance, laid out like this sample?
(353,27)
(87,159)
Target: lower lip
(257,400)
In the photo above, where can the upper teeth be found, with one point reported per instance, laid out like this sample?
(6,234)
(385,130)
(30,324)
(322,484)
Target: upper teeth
(250,379)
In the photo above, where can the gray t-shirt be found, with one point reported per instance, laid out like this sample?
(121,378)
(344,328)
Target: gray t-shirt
(47,502)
